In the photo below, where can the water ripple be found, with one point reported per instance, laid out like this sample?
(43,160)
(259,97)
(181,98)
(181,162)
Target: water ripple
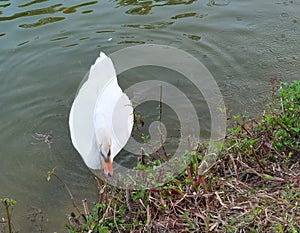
(186,15)
(46,10)
(32,3)
(149,26)
(5,5)
(192,37)
(145,7)
(73,9)
(42,21)
(59,38)
(131,42)
(105,31)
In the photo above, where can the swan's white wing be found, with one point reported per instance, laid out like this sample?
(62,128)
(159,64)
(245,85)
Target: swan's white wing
(81,123)
(122,126)
(81,120)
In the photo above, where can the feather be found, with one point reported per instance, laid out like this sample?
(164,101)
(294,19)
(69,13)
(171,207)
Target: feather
(101,115)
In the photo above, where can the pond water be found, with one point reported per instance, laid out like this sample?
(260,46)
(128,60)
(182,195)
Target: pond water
(46,48)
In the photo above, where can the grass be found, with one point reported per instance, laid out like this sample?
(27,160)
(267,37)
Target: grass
(253,187)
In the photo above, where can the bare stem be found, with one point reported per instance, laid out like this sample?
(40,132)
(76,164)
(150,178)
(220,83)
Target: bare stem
(85,207)
(128,199)
(69,192)
(162,142)
(160,104)
(6,205)
(257,158)
(159,128)
(52,173)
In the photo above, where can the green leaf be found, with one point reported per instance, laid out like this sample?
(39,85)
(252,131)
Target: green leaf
(279,228)
(104,230)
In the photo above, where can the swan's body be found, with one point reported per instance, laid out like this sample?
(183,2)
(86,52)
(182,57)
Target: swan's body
(101,117)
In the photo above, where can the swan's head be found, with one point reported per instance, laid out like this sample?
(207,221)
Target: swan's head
(106,159)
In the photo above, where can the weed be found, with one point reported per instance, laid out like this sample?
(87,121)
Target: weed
(8,203)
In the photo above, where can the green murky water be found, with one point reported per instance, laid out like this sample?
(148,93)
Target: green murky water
(46,47)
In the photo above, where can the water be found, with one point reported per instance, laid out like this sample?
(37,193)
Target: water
(46,47)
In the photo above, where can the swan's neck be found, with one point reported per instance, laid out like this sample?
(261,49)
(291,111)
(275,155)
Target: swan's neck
(102,135)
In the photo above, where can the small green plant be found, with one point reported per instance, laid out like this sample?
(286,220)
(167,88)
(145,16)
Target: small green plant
(8,203)
(139,122)
(283,117)
(145,137)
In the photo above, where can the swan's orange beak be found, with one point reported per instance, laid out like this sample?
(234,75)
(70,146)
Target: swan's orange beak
(107,166)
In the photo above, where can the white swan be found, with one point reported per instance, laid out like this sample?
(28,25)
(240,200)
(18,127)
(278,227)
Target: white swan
(101,117)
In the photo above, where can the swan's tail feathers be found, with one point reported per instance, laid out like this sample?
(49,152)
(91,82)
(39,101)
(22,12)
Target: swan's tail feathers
(101,58)
(103,70)
(102,55)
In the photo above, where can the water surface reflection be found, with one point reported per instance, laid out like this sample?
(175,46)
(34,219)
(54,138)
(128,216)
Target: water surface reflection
(145,7)
(52,9)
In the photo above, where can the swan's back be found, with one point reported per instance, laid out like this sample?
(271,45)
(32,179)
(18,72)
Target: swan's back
(100,97)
